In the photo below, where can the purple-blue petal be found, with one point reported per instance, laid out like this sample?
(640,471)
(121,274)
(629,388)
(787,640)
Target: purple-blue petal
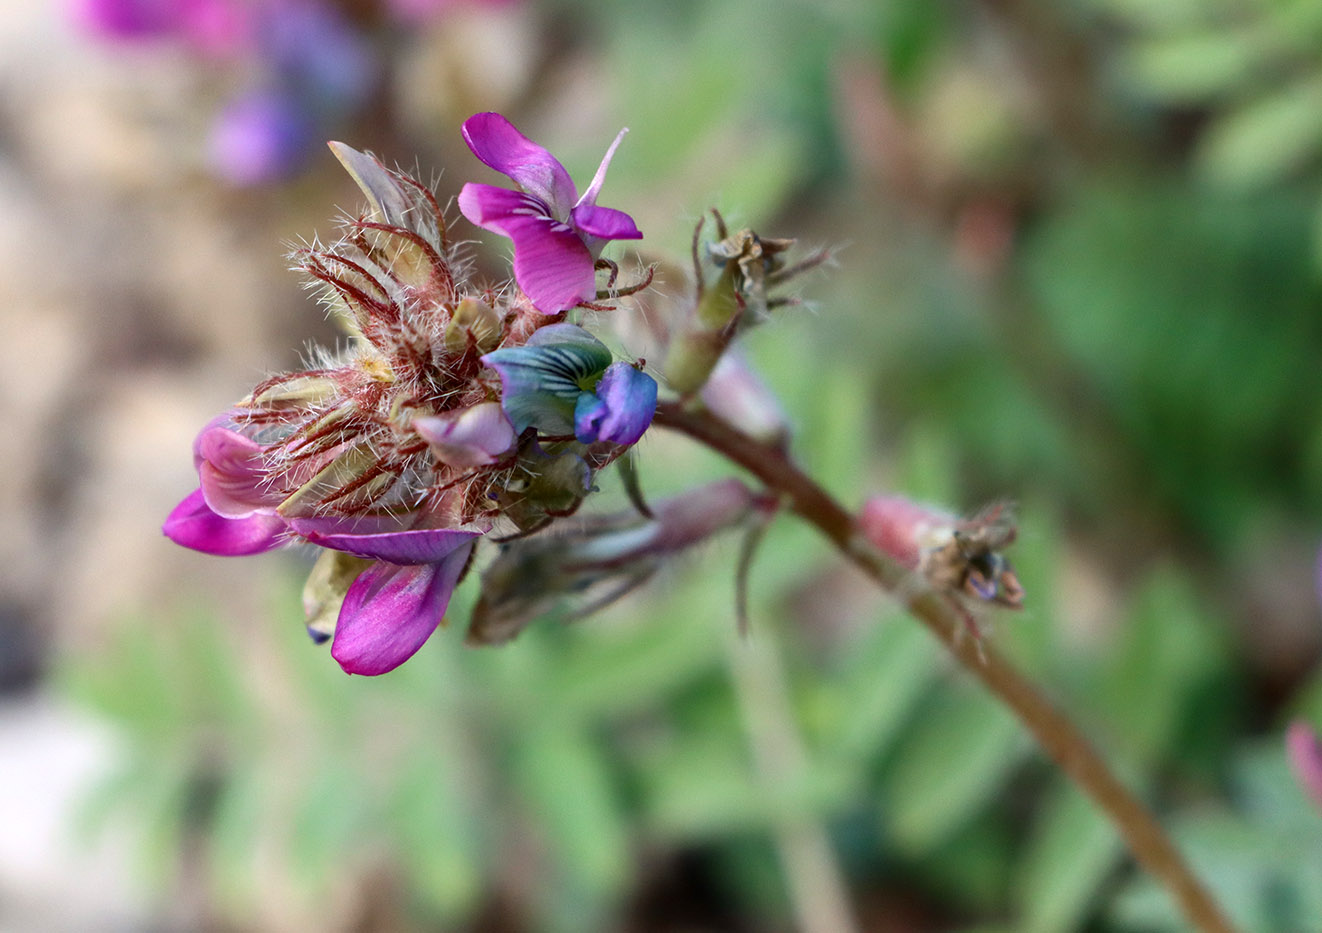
(195,525)
(499,145)
(621,409)
(551,263)
(420,546)
(390,611)
(605,223)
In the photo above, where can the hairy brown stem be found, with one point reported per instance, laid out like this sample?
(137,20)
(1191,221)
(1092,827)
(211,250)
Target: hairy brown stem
(1057,734)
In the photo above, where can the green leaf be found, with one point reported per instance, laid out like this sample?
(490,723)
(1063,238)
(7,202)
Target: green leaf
(1193,66)
(434,826)
(564,779)
(1169,650)
(956,758)
(890,668)
(1070,853)
(1265,140)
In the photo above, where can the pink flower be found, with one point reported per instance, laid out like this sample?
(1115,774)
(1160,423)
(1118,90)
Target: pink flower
(1305,753)
(388,612)
(557,235)
(399,452)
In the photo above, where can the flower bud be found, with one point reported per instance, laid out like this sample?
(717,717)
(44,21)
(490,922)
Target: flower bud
(699,345)
(736,395)
(323,593)
(473,324)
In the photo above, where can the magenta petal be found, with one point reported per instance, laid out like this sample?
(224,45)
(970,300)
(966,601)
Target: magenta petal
(1305,753)
(605,223)
(390,611)
(311,525)
(551,264)
(232,474)
(424,546)
(497,143)
(470,437)
(194,525)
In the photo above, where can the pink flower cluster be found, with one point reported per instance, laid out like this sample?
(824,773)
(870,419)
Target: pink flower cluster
(397,454)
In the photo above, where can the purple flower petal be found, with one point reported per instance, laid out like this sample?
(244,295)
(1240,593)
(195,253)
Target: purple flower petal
(390,611)
(125,19)
(498,144)
(605,223)
(551,263)
(622,408)
(370,524)
(590,196)
(1305,753)
(193,524)
(230,468)
(420,546)
(469,437)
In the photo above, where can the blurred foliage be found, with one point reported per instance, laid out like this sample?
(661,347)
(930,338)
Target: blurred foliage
(1098,319)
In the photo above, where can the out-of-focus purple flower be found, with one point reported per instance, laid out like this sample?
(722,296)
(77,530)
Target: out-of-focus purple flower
(317,56)
(735,393)
(602,558)
(1305,753)
(259,138)
(557,235)
(215,27)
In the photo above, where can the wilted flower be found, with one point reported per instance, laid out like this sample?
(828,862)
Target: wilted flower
(750,266)
(581,569)
(954,555)
(558,236)
(398,453)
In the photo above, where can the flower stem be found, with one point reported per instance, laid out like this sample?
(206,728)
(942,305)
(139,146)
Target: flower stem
(1056,733)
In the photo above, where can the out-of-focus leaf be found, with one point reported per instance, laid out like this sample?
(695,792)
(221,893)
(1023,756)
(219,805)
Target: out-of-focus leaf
(434,816)
(1193,66)
(1169,648)
(331,818)
(570,794)
(952,763)
(240,820)
(1262,860)
(1265,139)
(1070,853)
(889,668)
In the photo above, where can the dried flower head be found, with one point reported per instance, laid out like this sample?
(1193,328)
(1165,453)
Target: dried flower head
(959,558)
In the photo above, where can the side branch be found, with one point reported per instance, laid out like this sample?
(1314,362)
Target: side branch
(1057,734)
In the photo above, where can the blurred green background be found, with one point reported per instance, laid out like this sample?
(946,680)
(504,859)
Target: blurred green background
(1079,268)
